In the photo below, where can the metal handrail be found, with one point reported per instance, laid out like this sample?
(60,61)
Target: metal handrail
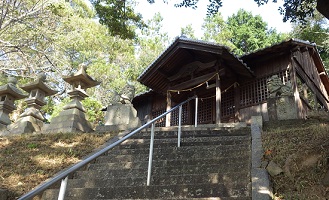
(63,175)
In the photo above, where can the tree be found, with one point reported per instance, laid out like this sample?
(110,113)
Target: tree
(26,29)
(150,43)
(216,30)
(55,37)
(119,17)
(188,31)
(291,10)
(315,30)
(242,32)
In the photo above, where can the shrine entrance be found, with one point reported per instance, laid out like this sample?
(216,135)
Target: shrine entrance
(189,68)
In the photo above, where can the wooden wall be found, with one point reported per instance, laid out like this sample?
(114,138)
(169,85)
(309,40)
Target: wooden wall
(246,113)
(305,68)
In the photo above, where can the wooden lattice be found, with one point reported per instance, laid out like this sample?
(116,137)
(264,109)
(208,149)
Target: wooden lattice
(185,116)
(161,122)
(205,110)
(256,91)
(227,107)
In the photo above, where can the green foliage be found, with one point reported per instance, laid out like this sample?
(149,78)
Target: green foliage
(242,32)
(59,107)
(94,113)
(250,32)
(149,45)
(216,30)
(32,145)
(48,109)
(92,106)
(119,17)
(292,10)
(188,31)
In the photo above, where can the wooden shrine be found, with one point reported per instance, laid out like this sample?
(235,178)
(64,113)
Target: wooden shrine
(229,89)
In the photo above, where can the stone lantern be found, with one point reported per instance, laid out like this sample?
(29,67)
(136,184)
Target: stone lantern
(72,118)
(32,119)
(9,93)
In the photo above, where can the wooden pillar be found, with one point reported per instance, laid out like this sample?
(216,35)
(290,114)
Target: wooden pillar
(168,108)
(236,102)
(293,79)
(218,100)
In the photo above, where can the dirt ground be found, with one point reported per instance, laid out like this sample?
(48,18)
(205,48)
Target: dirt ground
(301,149)
(27,160)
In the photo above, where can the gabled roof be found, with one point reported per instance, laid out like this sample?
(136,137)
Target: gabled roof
(323,7)
(276,49)
(184,51)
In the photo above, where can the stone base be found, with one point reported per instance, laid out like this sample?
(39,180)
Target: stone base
(120,127)
(72,120)
(120,114)
(3,194)
(120,117)
(3,130)
(282,108)
(26,124)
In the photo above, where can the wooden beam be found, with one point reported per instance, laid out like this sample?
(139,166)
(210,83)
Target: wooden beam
(195,81)
(190,68)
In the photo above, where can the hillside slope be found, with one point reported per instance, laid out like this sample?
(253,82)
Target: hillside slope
(301,149)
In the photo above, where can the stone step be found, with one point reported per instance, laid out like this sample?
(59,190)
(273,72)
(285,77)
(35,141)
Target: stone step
(206,160)
(219,152)
(187,169)
(227,178)
(148,192)
(182,149)
(198,133)
(172,142)
(207,198)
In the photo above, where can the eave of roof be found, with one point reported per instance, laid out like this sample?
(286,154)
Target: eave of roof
(323,7)
(174,46)
(286,45)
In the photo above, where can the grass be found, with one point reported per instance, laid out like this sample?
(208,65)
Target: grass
(27,160)
(301,148)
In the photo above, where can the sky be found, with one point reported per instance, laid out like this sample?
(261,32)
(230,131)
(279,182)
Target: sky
(175,18)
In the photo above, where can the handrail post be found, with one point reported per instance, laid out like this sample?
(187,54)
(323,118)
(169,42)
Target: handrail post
(179,125)
(150,156)
(62,189)
(196,112)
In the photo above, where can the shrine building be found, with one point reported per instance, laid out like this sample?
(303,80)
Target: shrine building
(231,88)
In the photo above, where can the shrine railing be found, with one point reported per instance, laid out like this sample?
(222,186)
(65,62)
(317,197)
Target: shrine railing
(63,176)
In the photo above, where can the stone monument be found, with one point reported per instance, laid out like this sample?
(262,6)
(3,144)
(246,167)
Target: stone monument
(121,114)
(32,119)
(9,93)
(72,118)
(281,102)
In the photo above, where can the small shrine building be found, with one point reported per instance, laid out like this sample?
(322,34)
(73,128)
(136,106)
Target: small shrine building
(229,88)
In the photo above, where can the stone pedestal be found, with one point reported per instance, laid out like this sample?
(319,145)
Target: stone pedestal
(9,93)
(32,119)
(120,117)
(27,124)
(282,108)
(72,118)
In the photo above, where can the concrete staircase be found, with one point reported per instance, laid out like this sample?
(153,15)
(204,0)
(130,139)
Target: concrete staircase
(210,164)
